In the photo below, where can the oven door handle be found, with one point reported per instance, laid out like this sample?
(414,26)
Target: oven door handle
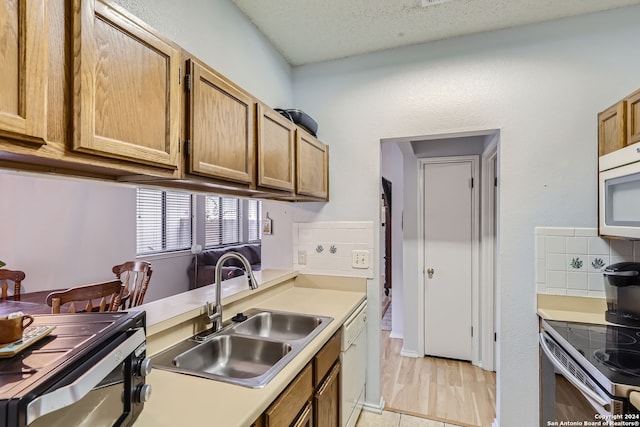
(569,376)
(74,392)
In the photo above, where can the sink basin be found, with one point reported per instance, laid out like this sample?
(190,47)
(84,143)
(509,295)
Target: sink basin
(248,354)
(278,326)
(233,356)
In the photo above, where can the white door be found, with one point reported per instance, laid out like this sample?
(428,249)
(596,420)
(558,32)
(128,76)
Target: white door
(449,224)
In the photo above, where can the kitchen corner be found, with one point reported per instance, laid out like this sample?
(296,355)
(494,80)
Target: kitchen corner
(588,333)
(572,308)
(177,318)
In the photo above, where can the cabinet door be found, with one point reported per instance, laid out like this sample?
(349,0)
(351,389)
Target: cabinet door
(221,128)
(633,118)
(612,128)
(327,400)
(305,419)
(312,166)
(284,411)
(23,67)
(126,88)
(276,147)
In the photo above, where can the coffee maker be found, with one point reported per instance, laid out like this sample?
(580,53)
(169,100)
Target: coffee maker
(622,289)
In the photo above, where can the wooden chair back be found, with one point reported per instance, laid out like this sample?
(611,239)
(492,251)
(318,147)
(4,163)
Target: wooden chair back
(108,294)
(7,276)
(135,276)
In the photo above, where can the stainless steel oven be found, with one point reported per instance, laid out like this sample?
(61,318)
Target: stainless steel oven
(587,373)
(90,371)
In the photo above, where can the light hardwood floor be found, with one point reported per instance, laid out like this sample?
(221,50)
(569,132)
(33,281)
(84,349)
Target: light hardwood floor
(393,419)
(440,389)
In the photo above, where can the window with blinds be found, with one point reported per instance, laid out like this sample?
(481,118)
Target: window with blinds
(254,216)
(222,221)
(229,220)
(163,221)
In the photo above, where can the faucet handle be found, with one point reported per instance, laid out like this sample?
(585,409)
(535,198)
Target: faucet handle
(207,306)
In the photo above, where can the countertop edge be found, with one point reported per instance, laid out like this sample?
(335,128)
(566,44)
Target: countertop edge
(572,308)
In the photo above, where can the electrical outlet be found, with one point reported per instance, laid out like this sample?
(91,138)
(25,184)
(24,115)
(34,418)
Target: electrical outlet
(360,259)
(302,257)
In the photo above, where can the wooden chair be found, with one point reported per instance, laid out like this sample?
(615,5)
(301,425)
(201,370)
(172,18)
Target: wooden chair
(107,292)
(135,276)
(14,276)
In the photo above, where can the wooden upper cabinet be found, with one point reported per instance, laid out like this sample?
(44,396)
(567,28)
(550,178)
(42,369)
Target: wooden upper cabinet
(126,87)
(633,118)
(312,166)
(23,67)
(612,134)
(220,127)
(276,150)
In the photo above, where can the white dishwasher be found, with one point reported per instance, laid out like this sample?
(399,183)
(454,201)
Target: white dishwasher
(353,357)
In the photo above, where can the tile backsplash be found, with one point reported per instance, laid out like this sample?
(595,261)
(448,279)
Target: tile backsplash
(570,261)
(328,247)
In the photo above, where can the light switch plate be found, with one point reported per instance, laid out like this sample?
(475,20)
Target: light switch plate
(359,259)
(302,257)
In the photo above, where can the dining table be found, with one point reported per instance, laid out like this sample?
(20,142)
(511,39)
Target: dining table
(8,306)
(33,302)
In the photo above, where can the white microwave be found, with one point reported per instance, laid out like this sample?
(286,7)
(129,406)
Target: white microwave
(619,193)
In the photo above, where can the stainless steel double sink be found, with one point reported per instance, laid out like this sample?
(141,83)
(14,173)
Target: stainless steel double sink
(248,353)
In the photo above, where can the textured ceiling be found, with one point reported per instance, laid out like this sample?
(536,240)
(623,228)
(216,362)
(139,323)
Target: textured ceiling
(307,31)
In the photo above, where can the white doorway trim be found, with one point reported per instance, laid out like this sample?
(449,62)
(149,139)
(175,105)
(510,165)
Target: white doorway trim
(488,195)
(475,263)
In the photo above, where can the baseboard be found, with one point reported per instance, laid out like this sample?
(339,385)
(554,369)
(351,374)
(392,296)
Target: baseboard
(394,334)
(375,408)
(409,353)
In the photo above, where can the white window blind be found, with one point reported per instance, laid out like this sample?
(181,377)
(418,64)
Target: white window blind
(254,214)
(163,221)
(222,222)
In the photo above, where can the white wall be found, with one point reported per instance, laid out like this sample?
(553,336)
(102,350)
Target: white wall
(541,86)
(64,232)
(391,168)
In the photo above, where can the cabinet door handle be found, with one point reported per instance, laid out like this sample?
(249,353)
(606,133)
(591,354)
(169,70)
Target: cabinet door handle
(334,373)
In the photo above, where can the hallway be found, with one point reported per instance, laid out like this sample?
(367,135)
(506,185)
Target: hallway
(445,390)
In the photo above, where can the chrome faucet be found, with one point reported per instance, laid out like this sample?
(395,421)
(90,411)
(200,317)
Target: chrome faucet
(216,316)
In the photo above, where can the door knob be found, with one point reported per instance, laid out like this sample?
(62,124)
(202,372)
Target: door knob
(430,272)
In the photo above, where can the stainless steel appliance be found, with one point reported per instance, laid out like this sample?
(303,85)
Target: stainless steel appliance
(353,357)
(588,372)
(622,288)
(90,371)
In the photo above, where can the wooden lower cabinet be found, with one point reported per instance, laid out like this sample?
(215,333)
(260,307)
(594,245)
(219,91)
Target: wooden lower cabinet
(326,401)
(305,419)
(312,399)
(284,411)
